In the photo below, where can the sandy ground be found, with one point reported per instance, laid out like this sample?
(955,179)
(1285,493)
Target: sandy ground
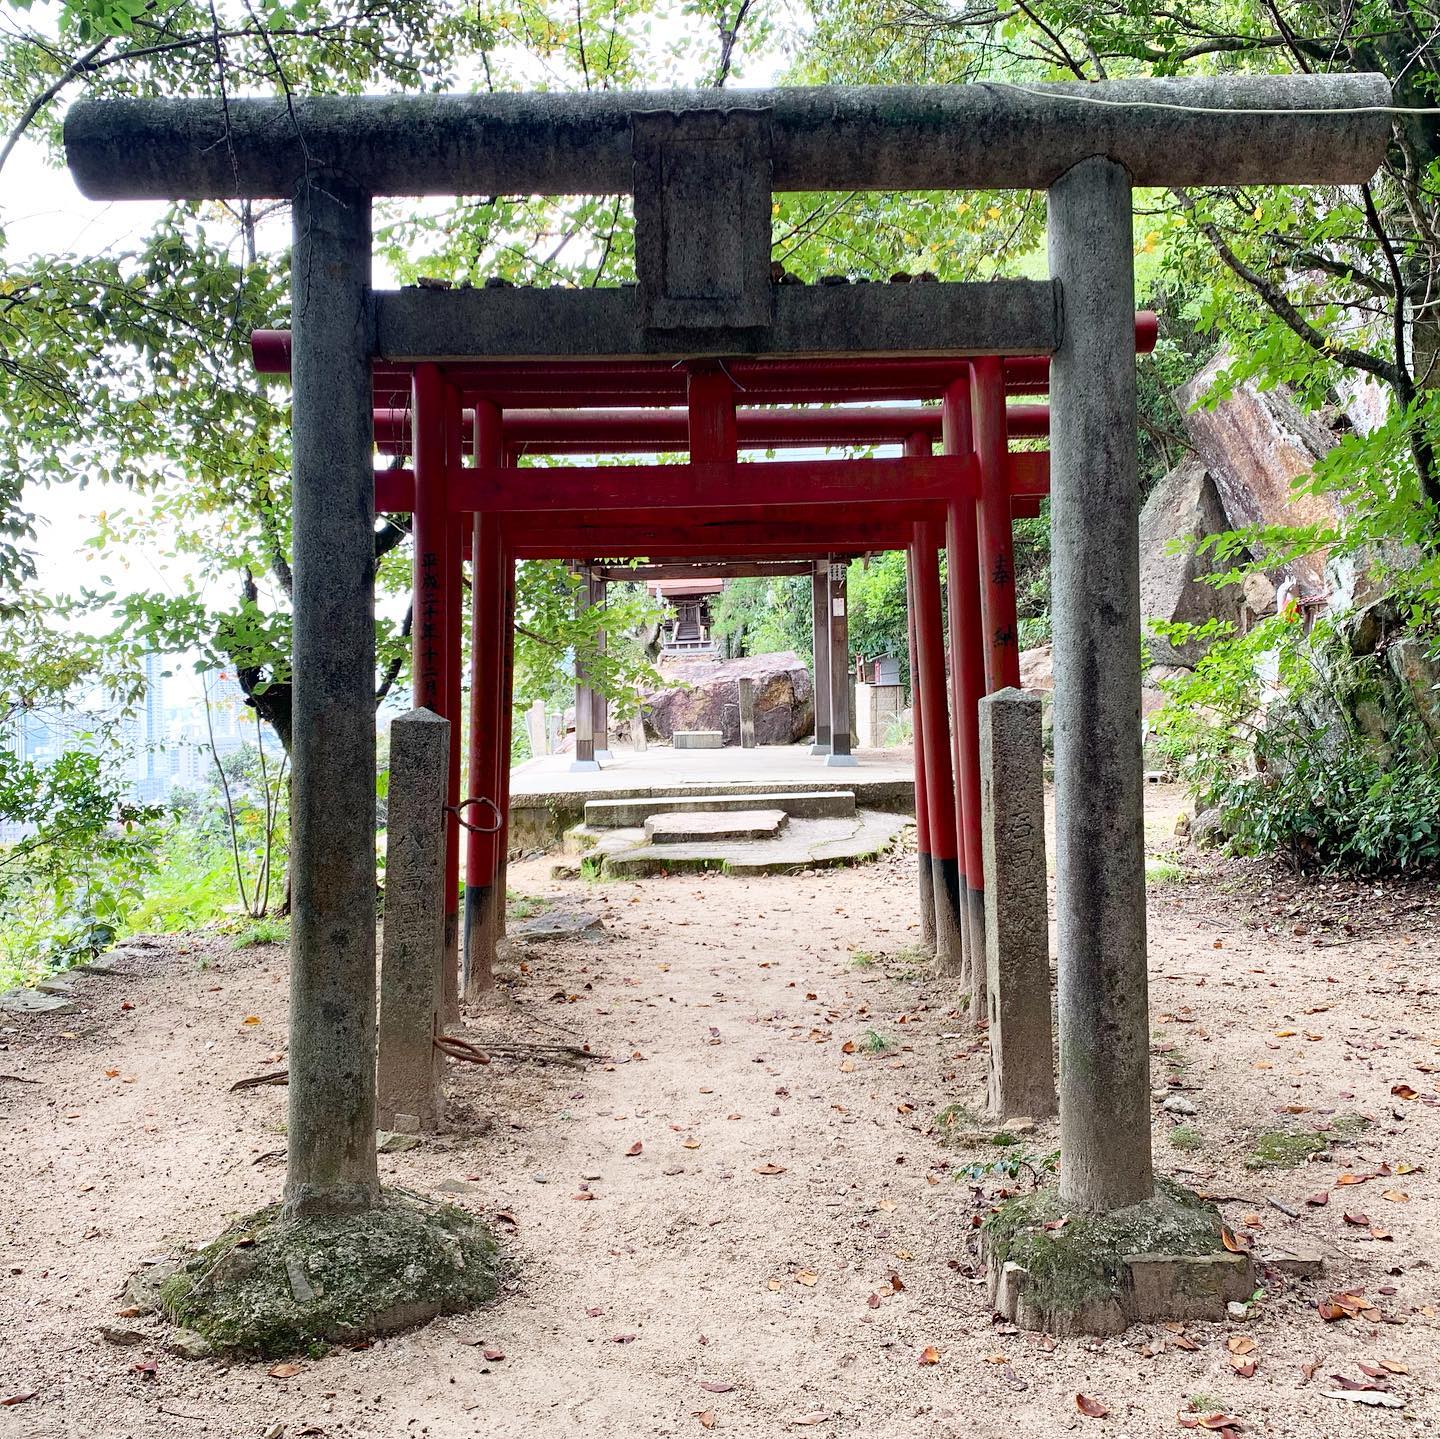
(698,1287)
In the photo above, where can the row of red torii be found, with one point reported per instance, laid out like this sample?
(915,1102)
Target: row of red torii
(465,430)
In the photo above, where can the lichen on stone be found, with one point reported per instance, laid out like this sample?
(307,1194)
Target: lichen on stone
(1081,1257)
(274,1285)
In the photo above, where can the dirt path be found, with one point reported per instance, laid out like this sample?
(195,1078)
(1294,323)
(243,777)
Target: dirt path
(782,1188)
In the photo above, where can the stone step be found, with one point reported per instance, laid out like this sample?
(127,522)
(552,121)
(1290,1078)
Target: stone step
(803,844)
(634,811)
(732,824)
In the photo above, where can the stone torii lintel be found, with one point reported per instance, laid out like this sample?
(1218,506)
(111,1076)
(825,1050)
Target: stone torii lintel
(1211,130)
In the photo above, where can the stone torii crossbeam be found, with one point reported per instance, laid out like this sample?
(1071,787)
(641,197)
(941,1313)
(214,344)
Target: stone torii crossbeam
(702,167)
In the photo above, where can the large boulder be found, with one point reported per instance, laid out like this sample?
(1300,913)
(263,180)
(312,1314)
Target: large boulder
(704,694)
(1256,444)
(1182,510)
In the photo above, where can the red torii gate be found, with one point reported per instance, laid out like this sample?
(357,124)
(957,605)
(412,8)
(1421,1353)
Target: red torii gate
(466,426)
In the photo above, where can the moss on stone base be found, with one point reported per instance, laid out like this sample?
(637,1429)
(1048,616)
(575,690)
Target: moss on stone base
(1082,1260)
(272,1286)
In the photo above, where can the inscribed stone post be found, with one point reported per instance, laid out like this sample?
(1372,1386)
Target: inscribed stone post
(1017,925)
(746,691)
(410,1067)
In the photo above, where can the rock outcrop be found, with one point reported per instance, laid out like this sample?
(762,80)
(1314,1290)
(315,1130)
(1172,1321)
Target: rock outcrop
(1185,507)
(705,696)
(1256,444)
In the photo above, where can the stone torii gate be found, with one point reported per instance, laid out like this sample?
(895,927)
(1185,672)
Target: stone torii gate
(702,168)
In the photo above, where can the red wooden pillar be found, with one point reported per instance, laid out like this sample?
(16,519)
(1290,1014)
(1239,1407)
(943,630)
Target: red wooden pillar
(710,397)
(997,545)
(434,596)
(967,668)
(939,780)
(506,731)
(919,445)
(486,671)
(454,650)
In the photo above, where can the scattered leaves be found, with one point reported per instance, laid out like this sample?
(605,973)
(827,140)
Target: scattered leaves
(1092,1408)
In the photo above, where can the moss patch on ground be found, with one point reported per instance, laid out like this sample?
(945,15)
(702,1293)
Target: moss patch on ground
(272,1286)
(1289,1148)
(1081,1257)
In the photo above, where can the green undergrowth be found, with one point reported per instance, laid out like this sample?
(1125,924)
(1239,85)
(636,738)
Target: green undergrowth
(272,1286)
(524,906)
(1081,1257)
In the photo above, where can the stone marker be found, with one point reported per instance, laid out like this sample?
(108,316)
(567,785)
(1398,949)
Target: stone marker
(1017,926)
(410,1067)
(746,691)
(637,732)
(698,739)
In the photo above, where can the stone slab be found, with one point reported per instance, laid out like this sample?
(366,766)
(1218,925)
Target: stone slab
(33,1001)
(698,739)
(558,924)
(623,813)
(699,827)
(803,844)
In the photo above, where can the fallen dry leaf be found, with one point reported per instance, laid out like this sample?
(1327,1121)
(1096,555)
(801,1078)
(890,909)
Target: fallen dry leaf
(288,1370)
(1240,1344)
(706,1418)
(929,1355)
(807,1277)
(1373,1397)
(634,1149)
(493,1355)
(1404,1091)
(818,1417)
(769,1168)
(716,1386)
(1092,1408)
(24,1397)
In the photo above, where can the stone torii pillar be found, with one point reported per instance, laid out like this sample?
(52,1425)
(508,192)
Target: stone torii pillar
(1099,778)
(331,1131)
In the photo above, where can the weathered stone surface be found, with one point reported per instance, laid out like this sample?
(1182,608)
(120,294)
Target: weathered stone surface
(1017,922)
(710,699)
(1256,444)
(1037,669)
(698,739)
(745,688)
(360,1275)
(1069,1272)
(33,1001)
(734,824)
(410,1068)
(558,924)
(1185,507)
(803,804)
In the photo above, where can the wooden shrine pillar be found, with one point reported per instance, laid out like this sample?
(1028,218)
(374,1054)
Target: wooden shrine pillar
(584,695)
(599,705)
(967,672)
(919,445)
(454,653)
(996,535)
(841,723)
(820,648)
(484,903)
(939,778)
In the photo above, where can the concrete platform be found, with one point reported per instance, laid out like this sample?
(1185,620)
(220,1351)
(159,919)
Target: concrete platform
(627,813)
(802,844)
(699,827)
(547,799)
